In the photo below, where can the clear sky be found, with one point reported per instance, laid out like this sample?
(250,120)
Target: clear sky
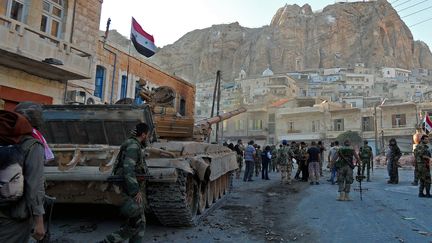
(168,20)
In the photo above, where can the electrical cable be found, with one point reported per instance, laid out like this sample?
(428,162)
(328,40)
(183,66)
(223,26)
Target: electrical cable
(412,6)
(421,10)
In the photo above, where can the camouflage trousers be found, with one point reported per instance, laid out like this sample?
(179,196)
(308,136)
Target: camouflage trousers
(240,165)
(257,167)
(134,227)
(366,164)
(345,178)
(285,173)
(424,175)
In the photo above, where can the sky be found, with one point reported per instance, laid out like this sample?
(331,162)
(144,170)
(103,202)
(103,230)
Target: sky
(169,20)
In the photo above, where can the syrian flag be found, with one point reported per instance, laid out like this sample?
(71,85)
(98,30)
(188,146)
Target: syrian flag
(143,42)
(427,123)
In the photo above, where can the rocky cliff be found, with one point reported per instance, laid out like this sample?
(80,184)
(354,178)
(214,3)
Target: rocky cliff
(298,39)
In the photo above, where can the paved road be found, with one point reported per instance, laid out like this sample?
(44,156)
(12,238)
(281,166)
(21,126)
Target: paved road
(265,211)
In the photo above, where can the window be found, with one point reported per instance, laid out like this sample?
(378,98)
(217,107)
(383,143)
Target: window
(255,125)
(182,108)
(124,85)
(239,125)
(52,17)
(99,81)
(138,99)
(367,123)
(315,126)
(338,124)
(398,120)
(271,128)
(15,10)
(272,117)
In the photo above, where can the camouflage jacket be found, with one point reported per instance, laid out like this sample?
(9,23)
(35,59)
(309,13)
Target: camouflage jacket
(284,156)
(130,162)
(295,150)
(365,152)
(420,151)
(274,154)
(303,153)
(345,156)
(258,157)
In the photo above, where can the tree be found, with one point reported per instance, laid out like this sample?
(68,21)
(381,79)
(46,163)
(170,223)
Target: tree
(354,137)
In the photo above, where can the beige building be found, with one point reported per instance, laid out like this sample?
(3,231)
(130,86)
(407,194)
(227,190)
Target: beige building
(43,44)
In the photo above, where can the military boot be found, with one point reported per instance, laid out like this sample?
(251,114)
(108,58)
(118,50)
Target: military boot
(341,196)
(421,194)
(347,198)
(428,187)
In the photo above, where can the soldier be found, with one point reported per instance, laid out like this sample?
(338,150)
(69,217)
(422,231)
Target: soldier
(423,156)
(313,158)
(129,163)
(239,148)
(345,167)
(285,162)
(274,153)
(303,161)
(258,160)
(366,157)
(250,155)
(393,158)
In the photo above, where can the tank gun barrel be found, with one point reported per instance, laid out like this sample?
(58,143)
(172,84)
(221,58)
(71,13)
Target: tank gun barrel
(203,128)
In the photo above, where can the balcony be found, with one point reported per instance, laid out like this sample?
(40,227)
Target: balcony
(25,48)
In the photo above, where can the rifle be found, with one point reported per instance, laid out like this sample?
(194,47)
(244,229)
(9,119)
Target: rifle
(120,178)
(360,178)
(351,165)
(49,203)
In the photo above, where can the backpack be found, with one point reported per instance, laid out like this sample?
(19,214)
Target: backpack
(12,159)
(365,152)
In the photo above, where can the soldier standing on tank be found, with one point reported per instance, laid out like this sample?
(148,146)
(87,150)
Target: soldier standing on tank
(239,148)
(394,156)
(366,157)
(130,162)
(258,160)
(423,156)
(345,165)
(285,162)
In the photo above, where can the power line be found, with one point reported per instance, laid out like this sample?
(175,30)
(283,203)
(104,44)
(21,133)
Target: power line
(412,6)
(394,2)
(402,3)
(416,12)
(420,22)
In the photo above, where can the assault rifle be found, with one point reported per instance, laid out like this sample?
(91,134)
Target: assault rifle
(359,177)
(351,165)
(119,178)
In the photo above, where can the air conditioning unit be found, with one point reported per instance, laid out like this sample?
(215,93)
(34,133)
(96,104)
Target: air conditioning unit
(75,97)
(92,100)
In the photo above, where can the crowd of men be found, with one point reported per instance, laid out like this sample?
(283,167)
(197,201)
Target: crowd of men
(341,161)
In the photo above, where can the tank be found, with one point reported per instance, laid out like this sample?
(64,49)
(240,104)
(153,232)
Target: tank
(187,176)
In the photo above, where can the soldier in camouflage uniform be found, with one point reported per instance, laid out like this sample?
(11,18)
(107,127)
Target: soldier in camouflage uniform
(366,157)
(285,162)
(274,153)
(129,163)
(258,160)
(303,161)
(423,156)
(394,156)
(345,166)
(239,148)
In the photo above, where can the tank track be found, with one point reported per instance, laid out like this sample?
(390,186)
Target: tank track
(168,202)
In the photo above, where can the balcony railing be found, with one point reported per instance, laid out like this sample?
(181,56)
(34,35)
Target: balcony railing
(28,49)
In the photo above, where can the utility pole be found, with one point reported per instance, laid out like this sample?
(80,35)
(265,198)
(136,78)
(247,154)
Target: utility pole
(376,129)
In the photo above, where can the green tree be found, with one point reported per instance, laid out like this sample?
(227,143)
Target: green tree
(354,137)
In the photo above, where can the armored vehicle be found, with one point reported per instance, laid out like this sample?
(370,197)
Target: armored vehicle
(187,176)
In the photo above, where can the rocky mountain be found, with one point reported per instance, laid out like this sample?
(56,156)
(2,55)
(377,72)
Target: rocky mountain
(297,39)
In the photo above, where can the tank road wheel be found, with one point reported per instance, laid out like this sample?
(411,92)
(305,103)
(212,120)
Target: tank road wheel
(192,194)
(210,193)
(202,200)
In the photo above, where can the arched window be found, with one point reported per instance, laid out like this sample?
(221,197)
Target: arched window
(99,81)
(52,17)
(124,86)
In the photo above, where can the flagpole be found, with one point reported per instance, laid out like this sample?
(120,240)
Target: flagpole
(127,72)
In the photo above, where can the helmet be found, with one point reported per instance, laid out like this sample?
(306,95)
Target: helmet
(284,142)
